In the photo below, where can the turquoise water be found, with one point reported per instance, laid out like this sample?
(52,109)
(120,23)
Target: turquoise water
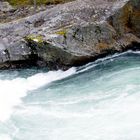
(98,101)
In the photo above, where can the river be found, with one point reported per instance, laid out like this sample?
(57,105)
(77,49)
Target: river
(97,101)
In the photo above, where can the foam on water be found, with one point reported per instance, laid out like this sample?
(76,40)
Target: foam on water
(100,101)
(97,62)
(5,137)
(11,91)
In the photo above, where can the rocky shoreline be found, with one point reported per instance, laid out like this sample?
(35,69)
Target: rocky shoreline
(70,34)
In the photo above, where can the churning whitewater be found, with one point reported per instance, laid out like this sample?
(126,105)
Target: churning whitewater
(98,101)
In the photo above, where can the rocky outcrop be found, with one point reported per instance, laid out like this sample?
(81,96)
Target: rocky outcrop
(16,55)
(5,7)
(72,34)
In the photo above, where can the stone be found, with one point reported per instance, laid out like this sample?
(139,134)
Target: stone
(74,33)
(5,7)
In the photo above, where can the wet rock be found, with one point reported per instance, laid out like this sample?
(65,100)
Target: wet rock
(16,55)
(74,33)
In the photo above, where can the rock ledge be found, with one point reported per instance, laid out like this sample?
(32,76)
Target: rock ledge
(71,34)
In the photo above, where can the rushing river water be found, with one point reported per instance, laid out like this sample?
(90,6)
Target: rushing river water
(98,101)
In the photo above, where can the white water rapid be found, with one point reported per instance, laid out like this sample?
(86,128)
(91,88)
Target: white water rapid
(98,101)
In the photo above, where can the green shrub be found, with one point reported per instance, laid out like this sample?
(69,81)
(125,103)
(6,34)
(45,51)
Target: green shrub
(31,2)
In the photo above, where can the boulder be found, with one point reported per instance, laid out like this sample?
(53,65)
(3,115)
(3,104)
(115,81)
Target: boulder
(75,33)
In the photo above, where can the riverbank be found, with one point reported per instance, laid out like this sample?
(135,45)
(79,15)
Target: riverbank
(70,34)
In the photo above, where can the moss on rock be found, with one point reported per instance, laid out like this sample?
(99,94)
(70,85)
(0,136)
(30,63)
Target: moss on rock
(62,32)
(35,38)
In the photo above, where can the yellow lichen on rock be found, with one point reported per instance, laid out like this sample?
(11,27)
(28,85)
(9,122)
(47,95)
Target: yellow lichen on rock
(35,38)
(61,32)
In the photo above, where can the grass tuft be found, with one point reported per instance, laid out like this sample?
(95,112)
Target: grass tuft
(39,2)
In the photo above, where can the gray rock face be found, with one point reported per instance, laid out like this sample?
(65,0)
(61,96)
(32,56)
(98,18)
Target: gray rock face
(5,7)
(16,55)
(73,33)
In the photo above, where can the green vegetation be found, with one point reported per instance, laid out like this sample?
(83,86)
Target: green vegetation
(31,2)
(35,38)
(62,32)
